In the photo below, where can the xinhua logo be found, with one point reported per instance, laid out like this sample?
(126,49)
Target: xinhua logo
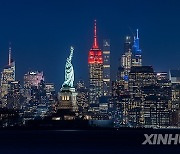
(157,139)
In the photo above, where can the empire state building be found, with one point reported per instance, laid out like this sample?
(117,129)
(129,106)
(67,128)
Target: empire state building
(95,64)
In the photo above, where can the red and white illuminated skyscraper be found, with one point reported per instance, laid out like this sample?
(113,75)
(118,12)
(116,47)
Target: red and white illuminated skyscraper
(95,63)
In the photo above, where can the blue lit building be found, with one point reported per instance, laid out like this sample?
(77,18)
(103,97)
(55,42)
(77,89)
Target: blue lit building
(137,52)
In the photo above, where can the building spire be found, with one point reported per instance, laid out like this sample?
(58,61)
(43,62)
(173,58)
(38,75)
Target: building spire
(136,47)
(9,57)
(95,45)
(137,35)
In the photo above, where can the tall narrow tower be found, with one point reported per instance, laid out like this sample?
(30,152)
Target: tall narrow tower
(95,63)
(106,68)
(137,52)
(9,57)
(7,76)
(125,64)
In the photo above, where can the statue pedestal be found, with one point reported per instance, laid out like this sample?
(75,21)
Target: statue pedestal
(67,106)
(67,99)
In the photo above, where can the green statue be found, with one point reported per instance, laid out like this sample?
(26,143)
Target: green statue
(69,71)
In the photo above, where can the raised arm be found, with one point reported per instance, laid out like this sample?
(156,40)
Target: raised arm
(71,54)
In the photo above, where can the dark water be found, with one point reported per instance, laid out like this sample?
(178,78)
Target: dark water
(72,141)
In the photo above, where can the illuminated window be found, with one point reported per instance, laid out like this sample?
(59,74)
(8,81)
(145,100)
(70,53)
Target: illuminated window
(67,98)
(63,98)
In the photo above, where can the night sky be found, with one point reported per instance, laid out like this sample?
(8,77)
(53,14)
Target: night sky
(42,31)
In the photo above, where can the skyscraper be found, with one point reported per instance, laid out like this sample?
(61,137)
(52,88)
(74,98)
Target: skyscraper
(82,97)
(95,63)
(32,82)
(174,76)
(14,96)
(137,53)
(150,96)
(132,57)
(126,63)
(33,78)
(51,96)
(7,76)
(106,68)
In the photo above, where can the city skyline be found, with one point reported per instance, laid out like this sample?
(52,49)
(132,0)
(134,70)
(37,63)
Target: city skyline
(89,76)
(31,43)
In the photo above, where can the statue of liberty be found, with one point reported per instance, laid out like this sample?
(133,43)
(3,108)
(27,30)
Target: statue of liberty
(69,71)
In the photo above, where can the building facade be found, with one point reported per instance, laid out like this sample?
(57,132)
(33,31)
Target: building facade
(95,64)
(137,52)
(14,96)
(154,94)
(106,68)
(7,76)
